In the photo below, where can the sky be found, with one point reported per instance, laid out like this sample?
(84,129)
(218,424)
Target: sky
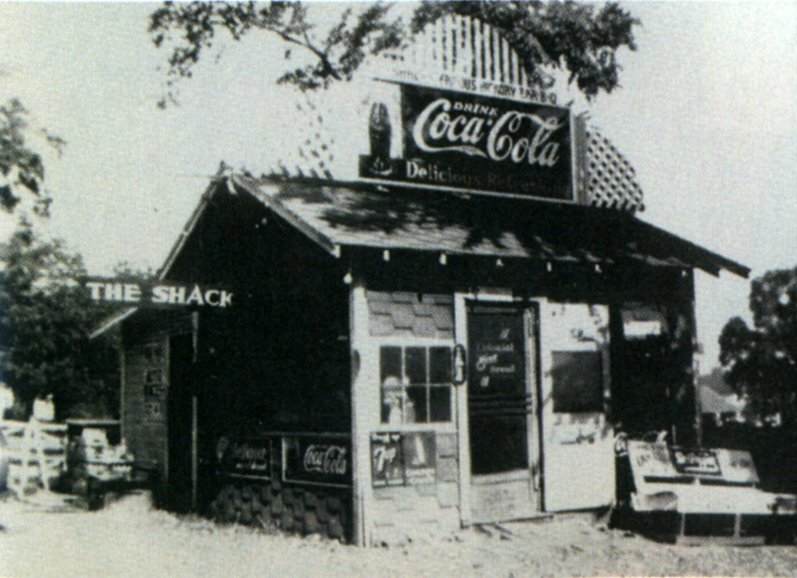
(706,115)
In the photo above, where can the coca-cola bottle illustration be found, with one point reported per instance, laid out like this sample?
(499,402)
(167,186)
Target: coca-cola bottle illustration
(379,132)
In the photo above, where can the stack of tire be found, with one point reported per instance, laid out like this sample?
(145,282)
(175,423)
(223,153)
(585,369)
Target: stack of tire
(297,509)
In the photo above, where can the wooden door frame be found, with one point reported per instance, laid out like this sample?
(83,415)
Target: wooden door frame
(535,450)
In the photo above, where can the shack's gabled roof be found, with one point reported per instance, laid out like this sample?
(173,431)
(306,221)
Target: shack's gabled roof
(339,215)
(336,215)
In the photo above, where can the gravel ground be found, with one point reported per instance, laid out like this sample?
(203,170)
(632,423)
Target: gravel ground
(128,538)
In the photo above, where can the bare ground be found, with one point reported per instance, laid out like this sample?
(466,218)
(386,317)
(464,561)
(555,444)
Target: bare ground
(128,538)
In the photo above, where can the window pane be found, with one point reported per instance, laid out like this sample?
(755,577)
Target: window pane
(392,393)
(415,359)
(440,403)
(415,405)
(390,365)
(440,365)
(577,382)
(392,398)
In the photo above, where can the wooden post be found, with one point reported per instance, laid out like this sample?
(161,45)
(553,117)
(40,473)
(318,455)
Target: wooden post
(461,407)
(27,456)
(364,409)
(695,367)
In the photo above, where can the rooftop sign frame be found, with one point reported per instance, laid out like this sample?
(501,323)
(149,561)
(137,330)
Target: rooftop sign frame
(487,144)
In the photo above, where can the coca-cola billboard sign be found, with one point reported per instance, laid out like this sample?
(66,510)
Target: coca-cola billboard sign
(478,143)
(320,460)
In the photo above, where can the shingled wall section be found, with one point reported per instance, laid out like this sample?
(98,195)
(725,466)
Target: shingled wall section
(428,509)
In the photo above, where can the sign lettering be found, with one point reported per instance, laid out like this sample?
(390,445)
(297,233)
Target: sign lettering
(251,457)
(158,294)
(477,143)
(325,459)
(400,459)
(318,460)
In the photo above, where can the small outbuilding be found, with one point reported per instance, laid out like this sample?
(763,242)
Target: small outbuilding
(451,336)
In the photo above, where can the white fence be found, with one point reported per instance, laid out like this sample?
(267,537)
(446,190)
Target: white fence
(37,453)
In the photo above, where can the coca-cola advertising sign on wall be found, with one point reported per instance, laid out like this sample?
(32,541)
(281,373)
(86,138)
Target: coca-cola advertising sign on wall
(317,460)
(477,143)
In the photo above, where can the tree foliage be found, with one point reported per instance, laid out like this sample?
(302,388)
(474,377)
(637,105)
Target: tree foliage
(762,360)
(21,168)
(45,320)
(580,38)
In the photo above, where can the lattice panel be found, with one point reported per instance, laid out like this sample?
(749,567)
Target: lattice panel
(305,143)
(466,47)
(610,178)
(456,47)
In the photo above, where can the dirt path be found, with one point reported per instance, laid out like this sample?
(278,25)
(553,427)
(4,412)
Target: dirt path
(130,539)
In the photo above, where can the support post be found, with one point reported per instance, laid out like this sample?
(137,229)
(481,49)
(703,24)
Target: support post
(364,409)
(461,401)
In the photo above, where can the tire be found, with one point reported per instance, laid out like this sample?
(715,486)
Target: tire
(229,515)
(334,504)
(322,511)
(335,528)
(299,513)
(222,507)
(266,495)
(286,521)
(235,497)
(311,524)
(310,499)
(235,505)
(247,517)
(276,508)
(96,496)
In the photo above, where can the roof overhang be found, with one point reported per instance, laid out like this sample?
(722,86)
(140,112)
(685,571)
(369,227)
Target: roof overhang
(337,215)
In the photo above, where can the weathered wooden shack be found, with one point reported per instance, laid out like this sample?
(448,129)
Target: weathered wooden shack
(452,335)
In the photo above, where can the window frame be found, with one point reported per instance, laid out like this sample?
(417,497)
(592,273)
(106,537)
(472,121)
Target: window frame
(403,342)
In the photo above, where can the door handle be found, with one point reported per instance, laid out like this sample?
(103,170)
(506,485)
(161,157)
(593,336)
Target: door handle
(459,363)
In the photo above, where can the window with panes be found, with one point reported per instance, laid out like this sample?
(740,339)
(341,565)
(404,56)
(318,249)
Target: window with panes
(415,384)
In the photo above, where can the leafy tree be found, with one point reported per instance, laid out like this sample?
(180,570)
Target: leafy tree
(45,320)
(762,360)
(581,38)
(21,168)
